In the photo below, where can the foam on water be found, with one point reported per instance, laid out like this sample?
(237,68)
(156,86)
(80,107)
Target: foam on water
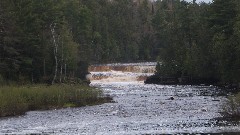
(129,72)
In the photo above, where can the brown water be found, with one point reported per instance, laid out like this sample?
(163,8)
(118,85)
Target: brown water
(122,72)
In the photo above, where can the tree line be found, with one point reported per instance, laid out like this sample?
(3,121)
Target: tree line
(54,40)
(199,40)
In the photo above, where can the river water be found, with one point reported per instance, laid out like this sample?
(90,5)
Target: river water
(137,108)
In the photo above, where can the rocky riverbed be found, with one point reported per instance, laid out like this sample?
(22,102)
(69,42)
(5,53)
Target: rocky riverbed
(138,109)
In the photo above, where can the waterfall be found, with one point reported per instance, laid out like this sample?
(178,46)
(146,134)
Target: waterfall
(121,72)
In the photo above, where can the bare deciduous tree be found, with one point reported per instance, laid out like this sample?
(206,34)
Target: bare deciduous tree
(55,50)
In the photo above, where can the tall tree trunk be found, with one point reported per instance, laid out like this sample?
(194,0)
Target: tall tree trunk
(61,69)
(55,50)
(44,67)
(65,72)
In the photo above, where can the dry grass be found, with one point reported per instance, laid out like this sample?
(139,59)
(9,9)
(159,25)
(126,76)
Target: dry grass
(17,100)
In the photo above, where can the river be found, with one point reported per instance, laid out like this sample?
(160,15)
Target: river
(137,108)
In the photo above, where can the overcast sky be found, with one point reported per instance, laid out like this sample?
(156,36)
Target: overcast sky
(200,1)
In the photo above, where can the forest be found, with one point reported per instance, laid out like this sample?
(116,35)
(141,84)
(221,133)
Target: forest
(50,41)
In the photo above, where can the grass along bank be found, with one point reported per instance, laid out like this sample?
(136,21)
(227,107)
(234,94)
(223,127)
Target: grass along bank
(18,100)
(232,107)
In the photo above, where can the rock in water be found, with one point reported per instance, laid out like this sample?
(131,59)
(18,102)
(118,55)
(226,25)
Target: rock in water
(171,98)
(89,77)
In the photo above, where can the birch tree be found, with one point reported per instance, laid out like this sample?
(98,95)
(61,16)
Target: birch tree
(55,50)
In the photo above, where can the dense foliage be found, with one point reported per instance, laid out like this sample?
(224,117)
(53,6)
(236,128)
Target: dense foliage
(199,40)
(52,40)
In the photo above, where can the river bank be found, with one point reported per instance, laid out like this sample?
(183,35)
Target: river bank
(231,91)
(138,109)
(17,100)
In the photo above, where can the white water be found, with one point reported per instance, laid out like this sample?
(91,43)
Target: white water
(139,109)
(131,72)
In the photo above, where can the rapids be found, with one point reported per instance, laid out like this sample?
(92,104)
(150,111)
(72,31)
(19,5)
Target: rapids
(138,108)
(130,72)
